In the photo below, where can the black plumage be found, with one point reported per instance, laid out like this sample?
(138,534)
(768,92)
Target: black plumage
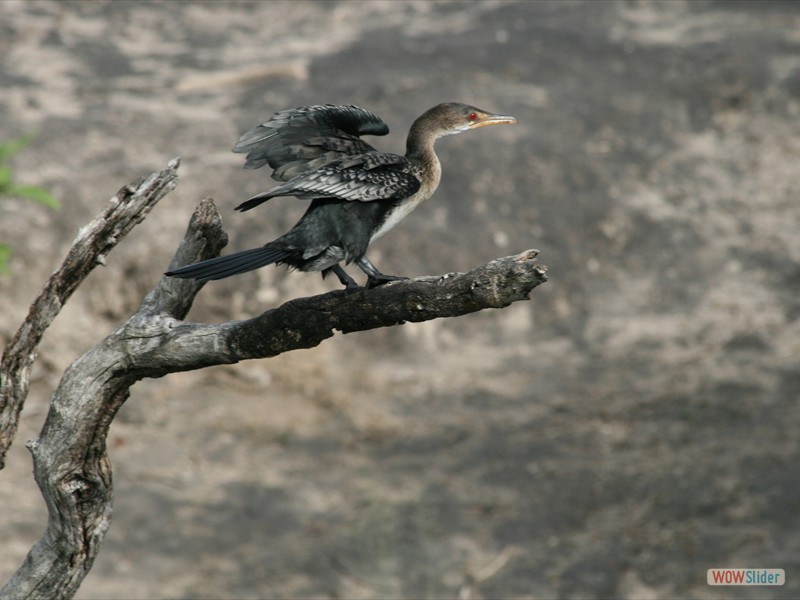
(301,139)
(357,193)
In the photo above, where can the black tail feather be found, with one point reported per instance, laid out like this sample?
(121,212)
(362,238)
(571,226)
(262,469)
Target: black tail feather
(232,264)
(255,201)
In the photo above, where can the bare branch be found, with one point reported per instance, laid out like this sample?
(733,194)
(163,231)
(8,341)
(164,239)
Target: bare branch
(125,210)
(172,345)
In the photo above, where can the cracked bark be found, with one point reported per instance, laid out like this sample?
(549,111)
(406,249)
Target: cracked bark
(71,464)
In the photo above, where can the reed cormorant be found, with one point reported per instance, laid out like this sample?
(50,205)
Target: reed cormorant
(357,193)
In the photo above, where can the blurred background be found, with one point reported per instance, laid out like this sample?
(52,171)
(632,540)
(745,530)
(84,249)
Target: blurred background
(633,425)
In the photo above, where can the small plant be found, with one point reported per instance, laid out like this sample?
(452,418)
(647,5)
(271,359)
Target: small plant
(9,189)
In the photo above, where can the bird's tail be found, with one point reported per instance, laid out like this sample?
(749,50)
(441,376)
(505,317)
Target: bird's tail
(256,200)
(232,264)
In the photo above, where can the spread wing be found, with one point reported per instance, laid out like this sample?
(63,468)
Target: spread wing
(362,178)
(303,139)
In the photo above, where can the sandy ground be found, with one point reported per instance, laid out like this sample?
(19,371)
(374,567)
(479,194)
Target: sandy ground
(632,426)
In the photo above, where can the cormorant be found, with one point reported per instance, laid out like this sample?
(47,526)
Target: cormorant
(357,193)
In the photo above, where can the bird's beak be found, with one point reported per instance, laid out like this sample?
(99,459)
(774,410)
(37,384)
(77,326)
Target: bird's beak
(484,120)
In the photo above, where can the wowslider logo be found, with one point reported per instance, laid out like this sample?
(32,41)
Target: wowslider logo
(746,577)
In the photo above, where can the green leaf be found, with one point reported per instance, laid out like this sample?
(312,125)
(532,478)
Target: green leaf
(9,149)
(5,179)
(36,193)
(5,255)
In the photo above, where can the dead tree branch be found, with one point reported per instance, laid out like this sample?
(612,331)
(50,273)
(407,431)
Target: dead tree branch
(125,210)
(70,460)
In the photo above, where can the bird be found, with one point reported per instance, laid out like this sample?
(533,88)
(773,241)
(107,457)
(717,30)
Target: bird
(356,192)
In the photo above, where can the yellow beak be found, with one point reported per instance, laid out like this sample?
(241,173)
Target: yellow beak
(485,120)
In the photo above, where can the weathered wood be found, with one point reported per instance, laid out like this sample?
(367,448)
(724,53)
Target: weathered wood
(157,344)
(125,210)
(70,461)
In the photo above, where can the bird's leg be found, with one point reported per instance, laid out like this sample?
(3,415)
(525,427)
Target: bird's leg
(348,282)
(375,277)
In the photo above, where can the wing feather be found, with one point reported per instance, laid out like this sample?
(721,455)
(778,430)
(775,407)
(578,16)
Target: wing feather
(367,177)
(303,139)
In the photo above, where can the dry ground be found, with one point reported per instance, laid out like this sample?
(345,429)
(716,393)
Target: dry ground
(632,426)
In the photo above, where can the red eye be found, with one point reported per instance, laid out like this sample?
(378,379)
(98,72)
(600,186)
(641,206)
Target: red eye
(472,116)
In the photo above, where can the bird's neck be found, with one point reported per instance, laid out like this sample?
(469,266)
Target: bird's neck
(419,147)
(420,141)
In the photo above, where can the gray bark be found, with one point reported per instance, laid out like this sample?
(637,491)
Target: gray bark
(127,208)
(71,465)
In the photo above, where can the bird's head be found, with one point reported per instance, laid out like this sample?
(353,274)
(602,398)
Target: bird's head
(448,119)
(453,117)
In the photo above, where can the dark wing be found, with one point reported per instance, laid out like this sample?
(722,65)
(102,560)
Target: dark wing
(302,139)
(363,178)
